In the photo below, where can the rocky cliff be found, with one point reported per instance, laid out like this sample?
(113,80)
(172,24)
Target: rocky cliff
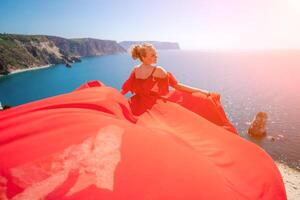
(87,46)
(157,44)
(26,51)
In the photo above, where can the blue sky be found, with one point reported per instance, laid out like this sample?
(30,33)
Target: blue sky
(195,24)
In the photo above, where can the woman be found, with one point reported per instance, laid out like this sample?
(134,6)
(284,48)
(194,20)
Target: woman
(149,82)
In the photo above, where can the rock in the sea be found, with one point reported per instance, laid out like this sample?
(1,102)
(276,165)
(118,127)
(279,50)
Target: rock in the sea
(68,65)
(76,59)
(258,125)
(3,107)
(271,138)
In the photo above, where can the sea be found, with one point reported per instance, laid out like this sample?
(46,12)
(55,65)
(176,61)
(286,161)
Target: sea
(248,82)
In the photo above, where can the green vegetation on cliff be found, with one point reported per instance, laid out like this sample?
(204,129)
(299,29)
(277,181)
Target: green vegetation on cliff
(21,51)
(25,51)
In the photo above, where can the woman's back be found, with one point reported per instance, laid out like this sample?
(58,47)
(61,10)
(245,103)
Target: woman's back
(142,73)
(146,72)
(146,90)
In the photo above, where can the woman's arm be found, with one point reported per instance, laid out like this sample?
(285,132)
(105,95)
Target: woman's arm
(186,88)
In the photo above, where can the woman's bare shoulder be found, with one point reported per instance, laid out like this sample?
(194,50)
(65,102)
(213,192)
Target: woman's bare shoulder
(136,67)
(160,72)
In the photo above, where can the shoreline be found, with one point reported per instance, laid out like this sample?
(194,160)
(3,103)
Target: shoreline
(291,179)
(26,69)
(29,69)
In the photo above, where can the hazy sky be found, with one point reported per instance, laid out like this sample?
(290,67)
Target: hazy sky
(195,24)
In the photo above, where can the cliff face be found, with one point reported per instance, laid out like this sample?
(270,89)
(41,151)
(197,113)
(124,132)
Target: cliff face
(25,51)
(87,46)
(18,52)
(157,44)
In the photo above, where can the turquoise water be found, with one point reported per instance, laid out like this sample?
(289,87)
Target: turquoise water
(248,82)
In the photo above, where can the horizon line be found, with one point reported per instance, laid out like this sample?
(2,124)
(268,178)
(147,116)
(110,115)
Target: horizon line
(187,48)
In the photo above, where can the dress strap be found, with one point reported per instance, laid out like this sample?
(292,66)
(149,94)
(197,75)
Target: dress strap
(153,71)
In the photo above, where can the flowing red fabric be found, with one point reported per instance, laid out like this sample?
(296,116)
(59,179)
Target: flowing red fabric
(88,144)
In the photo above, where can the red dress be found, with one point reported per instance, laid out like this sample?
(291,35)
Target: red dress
(152,90)
(86,144)
(147,91)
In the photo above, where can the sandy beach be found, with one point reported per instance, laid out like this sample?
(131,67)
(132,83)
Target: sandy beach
(291,178)
(29,69)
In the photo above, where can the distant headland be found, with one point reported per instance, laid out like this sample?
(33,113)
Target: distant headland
(21,52)
(157,44)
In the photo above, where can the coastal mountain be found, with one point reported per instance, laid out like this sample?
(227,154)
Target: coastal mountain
(26,51)
(86,46)
(19,51)
(156,44)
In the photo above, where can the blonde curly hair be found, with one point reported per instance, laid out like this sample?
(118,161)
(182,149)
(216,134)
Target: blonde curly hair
(139,50)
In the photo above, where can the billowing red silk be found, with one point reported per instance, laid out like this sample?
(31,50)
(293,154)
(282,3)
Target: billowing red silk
(88,144)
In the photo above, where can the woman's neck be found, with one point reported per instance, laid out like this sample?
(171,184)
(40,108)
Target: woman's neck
(146,66)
